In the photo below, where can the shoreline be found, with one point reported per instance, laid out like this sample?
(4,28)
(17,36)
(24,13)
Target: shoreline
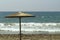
(30,37)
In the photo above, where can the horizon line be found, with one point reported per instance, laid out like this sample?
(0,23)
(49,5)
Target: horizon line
(25,11)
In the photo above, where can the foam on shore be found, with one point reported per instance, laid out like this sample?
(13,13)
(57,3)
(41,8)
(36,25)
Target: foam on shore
(30,26)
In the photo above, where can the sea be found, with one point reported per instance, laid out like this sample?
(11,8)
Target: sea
(42,23)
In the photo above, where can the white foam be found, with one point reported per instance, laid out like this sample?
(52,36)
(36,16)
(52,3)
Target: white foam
(30,26)
(40,24)
(1,24)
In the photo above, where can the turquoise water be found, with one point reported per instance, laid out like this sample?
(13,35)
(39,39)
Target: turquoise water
(41,17)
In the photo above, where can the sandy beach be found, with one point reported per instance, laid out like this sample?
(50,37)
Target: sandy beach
(29,37)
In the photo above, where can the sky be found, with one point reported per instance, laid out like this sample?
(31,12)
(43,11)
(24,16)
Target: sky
(29,5)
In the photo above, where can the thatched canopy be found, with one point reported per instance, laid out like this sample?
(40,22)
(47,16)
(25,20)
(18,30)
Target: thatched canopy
(19,14)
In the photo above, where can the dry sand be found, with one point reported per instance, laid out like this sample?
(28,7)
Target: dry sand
(29,37)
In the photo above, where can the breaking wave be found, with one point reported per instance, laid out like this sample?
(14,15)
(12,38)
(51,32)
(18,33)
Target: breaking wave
(31,26)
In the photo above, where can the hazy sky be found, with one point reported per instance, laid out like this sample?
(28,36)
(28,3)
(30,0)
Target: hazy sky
(30,5)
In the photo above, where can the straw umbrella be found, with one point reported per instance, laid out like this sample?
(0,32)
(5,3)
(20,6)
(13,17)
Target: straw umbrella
(19,15)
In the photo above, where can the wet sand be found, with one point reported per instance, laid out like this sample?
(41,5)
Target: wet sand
(29,37)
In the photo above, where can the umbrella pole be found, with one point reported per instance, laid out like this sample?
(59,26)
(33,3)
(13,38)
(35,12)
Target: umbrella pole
(20,27)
